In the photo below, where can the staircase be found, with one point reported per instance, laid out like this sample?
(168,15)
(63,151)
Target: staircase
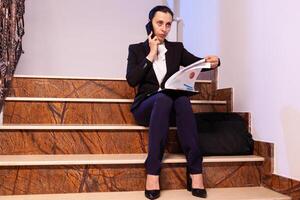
(75,138)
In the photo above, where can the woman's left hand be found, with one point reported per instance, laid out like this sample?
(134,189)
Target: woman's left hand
(213,60)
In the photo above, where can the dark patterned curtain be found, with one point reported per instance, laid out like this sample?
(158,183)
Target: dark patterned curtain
(11,32)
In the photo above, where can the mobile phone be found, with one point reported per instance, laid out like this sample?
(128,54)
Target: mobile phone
(149,28)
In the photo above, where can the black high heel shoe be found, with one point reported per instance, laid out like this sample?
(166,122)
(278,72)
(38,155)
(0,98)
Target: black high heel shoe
(197,192)
(152,194)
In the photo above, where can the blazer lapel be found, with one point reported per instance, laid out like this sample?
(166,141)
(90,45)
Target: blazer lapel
(147,48)
(151,71)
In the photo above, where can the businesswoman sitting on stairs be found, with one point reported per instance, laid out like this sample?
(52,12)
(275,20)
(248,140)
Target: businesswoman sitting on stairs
(150,64)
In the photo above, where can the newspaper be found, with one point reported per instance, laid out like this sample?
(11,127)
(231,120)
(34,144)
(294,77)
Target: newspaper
(184,80)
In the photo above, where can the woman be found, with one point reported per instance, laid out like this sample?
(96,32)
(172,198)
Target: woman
(150,64)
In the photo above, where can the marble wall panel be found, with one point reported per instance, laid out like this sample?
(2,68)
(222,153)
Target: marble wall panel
(103,178)
(272,181)
(283,185)
(206,91)
(265,150)
(79,113)
(225,94)
(247,119)
(209,75)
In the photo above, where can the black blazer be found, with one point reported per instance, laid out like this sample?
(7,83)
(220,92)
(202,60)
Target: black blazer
(141,73)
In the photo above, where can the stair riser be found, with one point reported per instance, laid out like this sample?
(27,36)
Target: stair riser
(79,142)
(80,113)
(74,179)
(22,87)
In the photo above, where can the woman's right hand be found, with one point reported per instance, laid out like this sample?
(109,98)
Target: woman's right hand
(153,44)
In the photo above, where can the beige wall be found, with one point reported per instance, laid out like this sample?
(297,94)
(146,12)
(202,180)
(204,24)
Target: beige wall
(82,37)
(258,42)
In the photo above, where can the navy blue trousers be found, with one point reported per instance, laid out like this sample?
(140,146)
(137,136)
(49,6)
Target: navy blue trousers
(159,112)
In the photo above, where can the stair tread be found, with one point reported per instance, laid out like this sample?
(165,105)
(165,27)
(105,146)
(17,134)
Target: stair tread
(74,127)
(97,100)
(84,78)
(90,159)
(239,193)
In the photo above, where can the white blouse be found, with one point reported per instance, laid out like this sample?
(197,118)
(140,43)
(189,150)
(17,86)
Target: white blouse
(159,64)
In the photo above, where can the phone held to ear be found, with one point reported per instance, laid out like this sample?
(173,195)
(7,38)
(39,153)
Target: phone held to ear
(149,28)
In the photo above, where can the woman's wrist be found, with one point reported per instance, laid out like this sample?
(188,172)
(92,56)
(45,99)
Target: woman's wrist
(150,57)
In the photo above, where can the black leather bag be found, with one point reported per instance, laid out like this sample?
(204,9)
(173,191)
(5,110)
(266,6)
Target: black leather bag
(223,134)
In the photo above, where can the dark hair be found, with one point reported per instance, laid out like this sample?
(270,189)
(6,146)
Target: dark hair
(164,9)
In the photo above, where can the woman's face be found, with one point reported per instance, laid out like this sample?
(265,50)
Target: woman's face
(162,25)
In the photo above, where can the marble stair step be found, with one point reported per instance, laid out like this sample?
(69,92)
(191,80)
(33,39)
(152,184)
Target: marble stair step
(50,174)
(90,87)
(80,139)
(35,110)
(111,159)
(239,193)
